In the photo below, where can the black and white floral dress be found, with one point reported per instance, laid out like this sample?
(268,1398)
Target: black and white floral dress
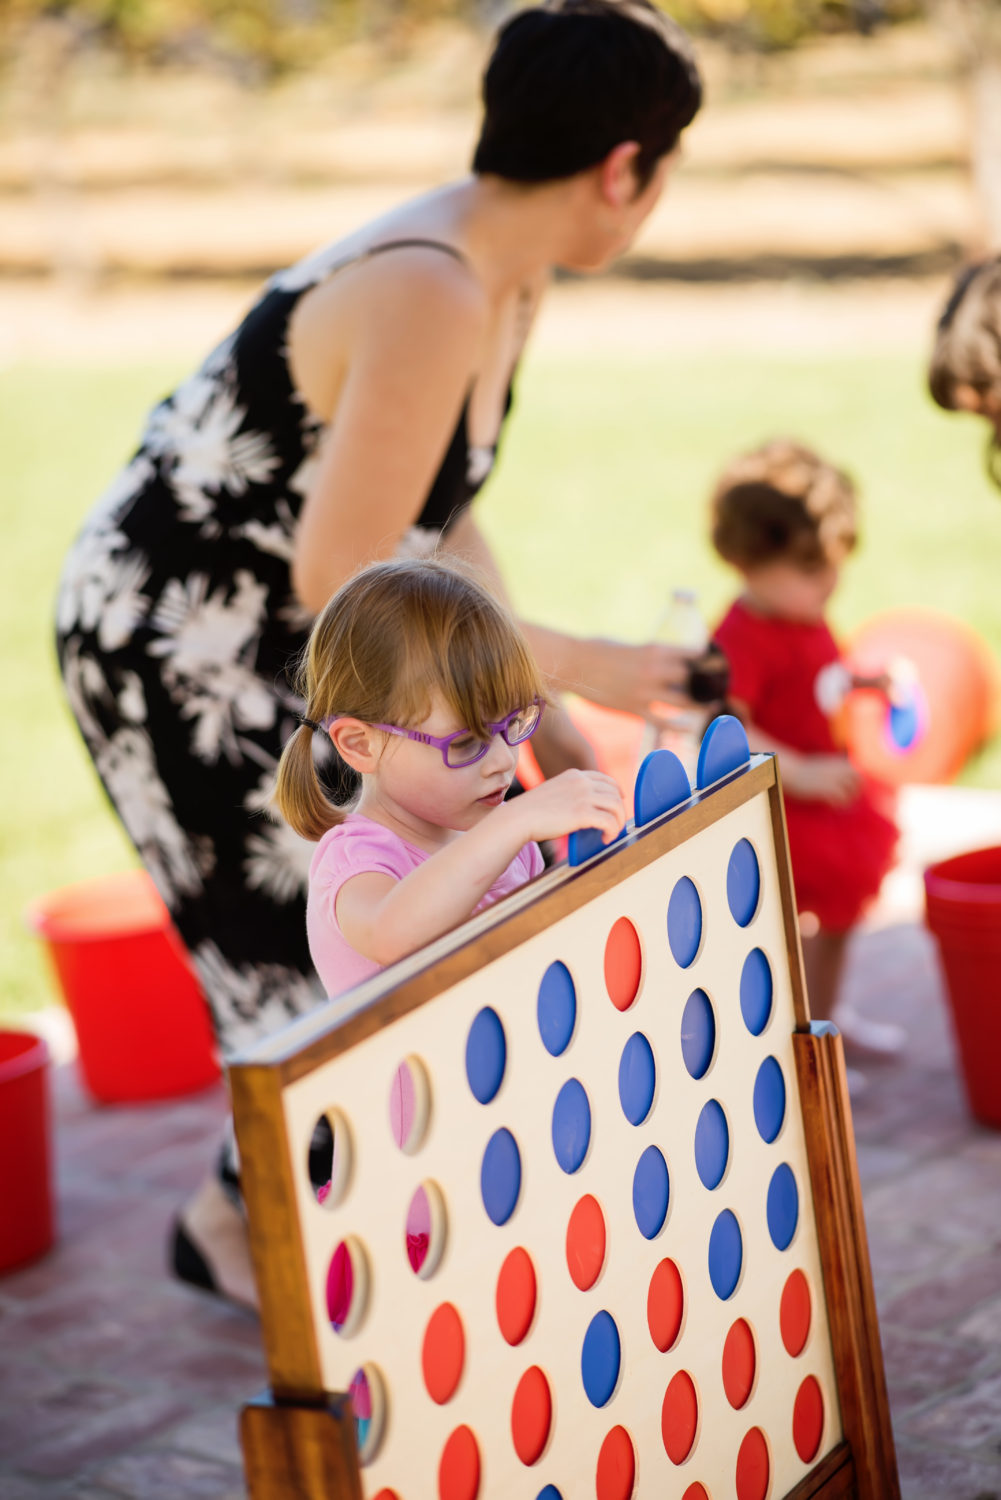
(178,633)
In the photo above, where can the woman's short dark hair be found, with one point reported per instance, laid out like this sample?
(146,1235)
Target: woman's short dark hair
(570,80)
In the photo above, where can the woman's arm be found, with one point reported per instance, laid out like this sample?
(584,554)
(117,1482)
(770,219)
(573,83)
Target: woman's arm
(409,341)
(613,673)
(616,674)
(385,919)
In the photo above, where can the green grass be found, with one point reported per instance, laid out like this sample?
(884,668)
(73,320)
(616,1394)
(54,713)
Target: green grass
(597,510)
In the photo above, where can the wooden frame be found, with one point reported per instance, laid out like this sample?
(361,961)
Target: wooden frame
(299,1442)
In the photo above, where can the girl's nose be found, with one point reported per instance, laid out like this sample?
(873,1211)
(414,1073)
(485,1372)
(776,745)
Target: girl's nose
(500,757)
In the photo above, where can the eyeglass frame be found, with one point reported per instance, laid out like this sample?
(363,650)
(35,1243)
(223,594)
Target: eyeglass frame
(442,742)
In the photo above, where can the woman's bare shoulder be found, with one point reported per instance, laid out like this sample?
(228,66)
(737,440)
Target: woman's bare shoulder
(381,306)
(416,280)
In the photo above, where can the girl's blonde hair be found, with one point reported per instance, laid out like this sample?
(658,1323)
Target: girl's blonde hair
(391,639)
(967,350)
(783,502)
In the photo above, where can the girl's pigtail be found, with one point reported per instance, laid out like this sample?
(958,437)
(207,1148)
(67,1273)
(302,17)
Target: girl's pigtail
(298,794)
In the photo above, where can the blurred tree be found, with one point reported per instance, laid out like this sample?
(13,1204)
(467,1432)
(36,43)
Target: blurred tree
(279,32)
(773,24)
(266,35)
(261,38)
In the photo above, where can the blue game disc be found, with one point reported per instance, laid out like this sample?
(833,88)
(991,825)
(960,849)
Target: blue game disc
(637,1078)
(571,1125)
(724,749)
(769,1099)
(486,1055)
(756,992)
(500,1176)
(712,1144)
(743,882)
(726,1255)
(584,843)
(661,783)
(698,1033)
(684,922)
(557,1009)
(651,1193)
(600,1359)
(783,1207)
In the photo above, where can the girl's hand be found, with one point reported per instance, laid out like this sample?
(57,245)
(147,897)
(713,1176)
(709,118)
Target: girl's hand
(573,800)
(822,778)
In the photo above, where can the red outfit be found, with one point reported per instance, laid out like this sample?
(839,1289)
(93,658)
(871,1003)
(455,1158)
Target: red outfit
(839,854)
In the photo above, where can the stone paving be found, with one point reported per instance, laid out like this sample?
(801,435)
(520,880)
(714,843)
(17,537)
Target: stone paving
(116,1381)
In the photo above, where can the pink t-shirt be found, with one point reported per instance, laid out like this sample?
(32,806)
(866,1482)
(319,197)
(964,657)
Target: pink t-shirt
(356,847)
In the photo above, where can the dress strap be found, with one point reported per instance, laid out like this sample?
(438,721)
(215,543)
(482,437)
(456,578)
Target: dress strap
(414,243)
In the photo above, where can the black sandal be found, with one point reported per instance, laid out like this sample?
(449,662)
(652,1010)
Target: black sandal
(187,1262)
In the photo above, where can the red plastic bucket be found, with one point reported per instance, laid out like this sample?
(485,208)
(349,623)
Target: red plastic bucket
(963,910)
(26,1218)
(141,1020)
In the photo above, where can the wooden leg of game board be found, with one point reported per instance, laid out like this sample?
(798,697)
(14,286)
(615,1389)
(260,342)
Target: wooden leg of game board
(832,1479)
(844,1251)
(300,1452)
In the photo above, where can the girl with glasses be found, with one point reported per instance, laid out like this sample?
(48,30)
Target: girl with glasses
(426,687)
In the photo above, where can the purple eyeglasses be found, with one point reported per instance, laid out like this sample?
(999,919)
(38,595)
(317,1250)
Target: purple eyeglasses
(463,748)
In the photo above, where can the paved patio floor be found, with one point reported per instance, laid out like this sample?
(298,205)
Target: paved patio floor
(116,1381)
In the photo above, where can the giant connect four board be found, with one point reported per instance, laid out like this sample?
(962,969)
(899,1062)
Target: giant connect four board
(590,1225)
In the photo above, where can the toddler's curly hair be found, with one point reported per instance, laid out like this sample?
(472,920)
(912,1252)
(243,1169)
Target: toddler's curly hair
(783,502)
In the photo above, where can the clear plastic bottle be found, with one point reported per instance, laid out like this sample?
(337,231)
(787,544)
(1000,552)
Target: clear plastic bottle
(682,625)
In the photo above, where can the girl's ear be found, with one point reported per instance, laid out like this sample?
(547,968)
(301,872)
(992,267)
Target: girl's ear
(617,174)
(356,743)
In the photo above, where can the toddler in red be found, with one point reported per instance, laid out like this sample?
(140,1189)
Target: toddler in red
(786,521)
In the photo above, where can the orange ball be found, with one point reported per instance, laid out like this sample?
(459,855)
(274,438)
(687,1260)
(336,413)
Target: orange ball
(959,684)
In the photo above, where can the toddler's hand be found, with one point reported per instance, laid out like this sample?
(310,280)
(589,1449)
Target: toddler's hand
(573,800)
(826,778)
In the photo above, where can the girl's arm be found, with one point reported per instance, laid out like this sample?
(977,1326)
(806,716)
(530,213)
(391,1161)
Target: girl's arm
(410,341)
(813,778)
(385,919)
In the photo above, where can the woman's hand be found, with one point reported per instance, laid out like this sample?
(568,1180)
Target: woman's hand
(573,800)
(633,679)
